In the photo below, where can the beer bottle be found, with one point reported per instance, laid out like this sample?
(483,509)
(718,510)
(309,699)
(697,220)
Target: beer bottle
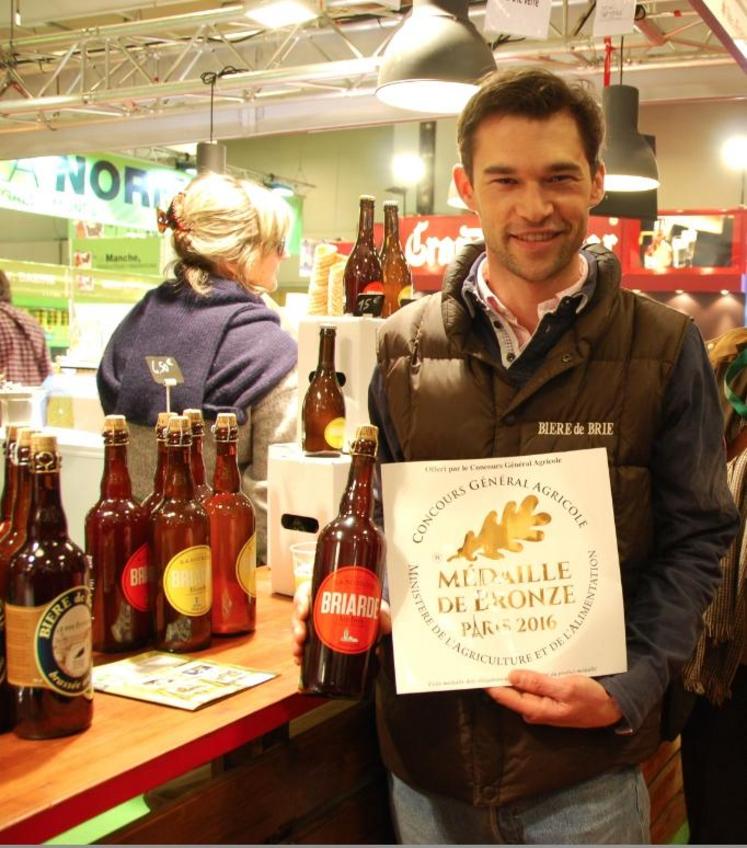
(197,422)
(180,539)
(10,480)
(49,613)
(346,589)
(117,542)
(233,543)
(395,272)
(154,498)
(323,410)
(363,268)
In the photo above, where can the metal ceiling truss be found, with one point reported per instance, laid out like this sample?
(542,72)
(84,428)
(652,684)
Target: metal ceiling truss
(153,67)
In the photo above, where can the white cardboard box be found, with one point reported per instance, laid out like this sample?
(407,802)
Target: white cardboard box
(301,490)
(355,357)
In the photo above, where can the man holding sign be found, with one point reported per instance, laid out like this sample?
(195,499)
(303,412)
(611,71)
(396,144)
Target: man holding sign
(532,348)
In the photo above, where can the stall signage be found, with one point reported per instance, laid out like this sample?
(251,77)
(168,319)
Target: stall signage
(97,187)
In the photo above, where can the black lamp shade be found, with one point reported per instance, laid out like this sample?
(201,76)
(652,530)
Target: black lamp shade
(628,158)
(435,59)
(211,157)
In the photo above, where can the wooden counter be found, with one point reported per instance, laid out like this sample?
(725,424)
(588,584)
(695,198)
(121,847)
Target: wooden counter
(132,746)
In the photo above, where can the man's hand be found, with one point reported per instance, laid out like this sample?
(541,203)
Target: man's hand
(301,607)
(570,701)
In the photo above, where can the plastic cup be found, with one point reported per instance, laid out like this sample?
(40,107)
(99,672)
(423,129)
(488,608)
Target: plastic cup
(303,562)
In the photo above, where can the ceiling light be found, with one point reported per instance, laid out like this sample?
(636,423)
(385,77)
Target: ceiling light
(628,158)
(734,153)
(408,168)
(435,59)
(211,157)
(281,13)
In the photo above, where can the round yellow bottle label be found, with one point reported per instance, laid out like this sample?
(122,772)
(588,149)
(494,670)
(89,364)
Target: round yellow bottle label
(188,581)
(334,433)
(246,567)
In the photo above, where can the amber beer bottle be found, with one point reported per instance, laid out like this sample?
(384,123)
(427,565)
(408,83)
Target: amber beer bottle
(346,587)
(159,477)
(180,539)
(10,480)
(395,272)
(117,542)
(202,487)
(323,410)
(49,613)
(233,543)
(363,268)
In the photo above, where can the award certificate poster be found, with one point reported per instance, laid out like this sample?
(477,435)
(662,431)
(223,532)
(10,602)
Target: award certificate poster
(500,564)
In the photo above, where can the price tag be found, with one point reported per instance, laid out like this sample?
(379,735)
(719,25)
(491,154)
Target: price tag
(164,368)
(369,303)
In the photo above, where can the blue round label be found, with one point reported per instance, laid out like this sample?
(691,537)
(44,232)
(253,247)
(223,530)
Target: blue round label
(63,642)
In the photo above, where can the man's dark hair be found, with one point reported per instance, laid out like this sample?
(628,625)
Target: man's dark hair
(536,94)
(4,288)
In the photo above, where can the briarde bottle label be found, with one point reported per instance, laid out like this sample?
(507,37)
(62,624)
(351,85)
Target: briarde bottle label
(62,643)
(346,610)
(136,579)
(334,433)
(246,567)
(188,581)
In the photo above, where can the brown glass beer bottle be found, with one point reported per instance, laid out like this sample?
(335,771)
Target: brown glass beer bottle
(233,543)
(197,422)
(117,542)
(346,589)
(363,268)
(180,546)
(395,272)
(48,614)
(9,481)
(159,477)
(323,410)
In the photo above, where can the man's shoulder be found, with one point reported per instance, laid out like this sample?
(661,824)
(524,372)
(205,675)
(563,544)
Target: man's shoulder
(653,310)
(405,323)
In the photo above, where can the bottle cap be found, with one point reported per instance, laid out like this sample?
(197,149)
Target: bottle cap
(23,437)
(115,423)
(391,203)
(11,433)
(180,424)
(193,415)
(226,419)
(43,443)
(163,419)
(329,328)
(368,197)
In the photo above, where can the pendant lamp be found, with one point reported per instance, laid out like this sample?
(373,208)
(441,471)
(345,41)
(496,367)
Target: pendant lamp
(435,59)
(628,158)
(211,155)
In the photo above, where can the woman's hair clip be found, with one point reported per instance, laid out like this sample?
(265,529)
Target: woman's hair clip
(170,218)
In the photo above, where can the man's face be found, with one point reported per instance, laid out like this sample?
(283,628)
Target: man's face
(532,188)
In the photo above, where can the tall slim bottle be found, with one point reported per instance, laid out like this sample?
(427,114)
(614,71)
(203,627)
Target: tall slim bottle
(11,542)
(117,541)
(152,500)
(323,410)
(10,480)
(197,422)
(180,543)
(233,543)
(395,272)
(363,267)
(346,586)
(49,613)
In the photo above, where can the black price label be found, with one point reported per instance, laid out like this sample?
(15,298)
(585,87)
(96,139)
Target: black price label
(369,303)
(164,368)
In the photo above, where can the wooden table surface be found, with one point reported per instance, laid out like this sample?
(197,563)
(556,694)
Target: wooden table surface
(48,786)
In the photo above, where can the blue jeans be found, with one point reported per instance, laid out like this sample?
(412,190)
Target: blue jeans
(612,808)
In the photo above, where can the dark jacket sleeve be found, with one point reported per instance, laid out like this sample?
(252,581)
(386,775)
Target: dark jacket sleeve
(695,520)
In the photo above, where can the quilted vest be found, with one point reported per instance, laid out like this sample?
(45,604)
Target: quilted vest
(449,398)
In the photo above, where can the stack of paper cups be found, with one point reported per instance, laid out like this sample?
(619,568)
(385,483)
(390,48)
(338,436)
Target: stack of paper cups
(336,288)
(325,256)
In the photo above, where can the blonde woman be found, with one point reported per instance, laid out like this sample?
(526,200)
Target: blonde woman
(229,236)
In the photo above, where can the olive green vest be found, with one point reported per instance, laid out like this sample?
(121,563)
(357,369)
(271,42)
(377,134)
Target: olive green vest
(450,399)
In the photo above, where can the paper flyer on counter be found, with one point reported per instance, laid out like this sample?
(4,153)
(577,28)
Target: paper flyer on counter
(174,680)
(502,564)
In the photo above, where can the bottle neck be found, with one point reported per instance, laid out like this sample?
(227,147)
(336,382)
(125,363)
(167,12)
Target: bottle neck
(115,482)
(178,483)
(162,461)
(22,502)
(10,490)
(391,228)
(197,461)
(366,224)
(47,518)
(358,497)
(227,478)
(326,353)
